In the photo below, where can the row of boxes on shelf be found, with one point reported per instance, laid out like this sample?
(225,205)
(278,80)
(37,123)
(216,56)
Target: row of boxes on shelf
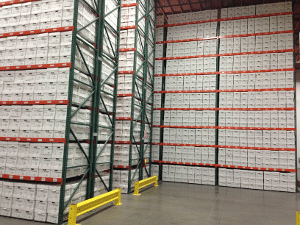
(32,16)
(25,200)
(123,133)
(193,82)
(54,172)
(154,169)
(26,85)
(13,60)
(256,43)
(46,40)
(230,12)
(32,60)
(159,34)
(266,99)
(190,136)
(53,75)
(124,106)
(257,25)
(40,202)
(77,98)
(121,155)
(188,100)
(34,7)
(284,79)
(123,130)
(26,53)
(190,118)
(189,174)
(127,64)
(257,158)
(156,117)
(188,48)
(194,16)
(260,180)
(129,14)
(257,61)
(127,39)
(195,65)
(125,85)
(256,9)
(36,26)
(285,119)
(82,132)
(47,150)
(43,117)
(189,154)
(192,31)
(121,179)
(257,138)
(39,112)
(43,155)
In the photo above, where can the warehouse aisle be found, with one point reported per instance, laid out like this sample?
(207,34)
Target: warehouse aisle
(178,203)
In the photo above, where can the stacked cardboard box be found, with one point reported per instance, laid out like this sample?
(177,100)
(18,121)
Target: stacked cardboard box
(256,9)
(133,80)
(273,139)
(40,202)
(47,120)
(257,158)
(193,16)
(257,61)
(260,180)
(267,119)
(246,99)
(189,174)
(282,79)
(188,100)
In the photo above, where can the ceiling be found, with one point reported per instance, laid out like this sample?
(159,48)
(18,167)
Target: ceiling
(179,6)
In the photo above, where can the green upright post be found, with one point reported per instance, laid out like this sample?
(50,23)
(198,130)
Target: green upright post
(217,104)
(114,60)
(115,99)
(68,119)
(95,104)
(153,65)
(134,77)
(163,80)
(144,92)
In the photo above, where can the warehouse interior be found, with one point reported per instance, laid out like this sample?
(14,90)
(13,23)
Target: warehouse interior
(97,95)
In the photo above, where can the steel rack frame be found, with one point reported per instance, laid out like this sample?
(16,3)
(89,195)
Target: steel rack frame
(113,57)
(217,73)
(162,112)
(98,9)
(139,98)
(152,29)
(139,36)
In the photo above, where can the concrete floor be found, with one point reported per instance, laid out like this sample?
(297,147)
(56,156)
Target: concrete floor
(178,204)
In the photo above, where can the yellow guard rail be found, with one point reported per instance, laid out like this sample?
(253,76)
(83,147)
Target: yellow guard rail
(143,183)
(297,218)
(93,203)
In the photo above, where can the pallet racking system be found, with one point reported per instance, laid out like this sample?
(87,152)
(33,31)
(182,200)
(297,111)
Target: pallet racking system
(88,96)
(219,90)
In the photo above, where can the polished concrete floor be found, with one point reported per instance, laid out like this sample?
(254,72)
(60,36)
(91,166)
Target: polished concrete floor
(178,204)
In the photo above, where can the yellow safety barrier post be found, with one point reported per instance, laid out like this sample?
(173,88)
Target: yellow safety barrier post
(93,203)
(143,183)
(297,218)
